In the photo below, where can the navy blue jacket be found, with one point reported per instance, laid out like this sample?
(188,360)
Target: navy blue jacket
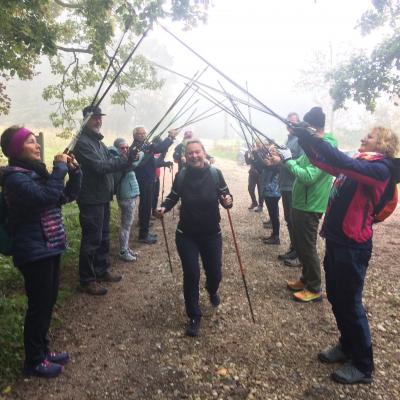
(146,171)
(34,210)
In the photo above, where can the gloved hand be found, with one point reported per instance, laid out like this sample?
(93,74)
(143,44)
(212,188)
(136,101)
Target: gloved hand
(302,129)
(133,154)
(284,153)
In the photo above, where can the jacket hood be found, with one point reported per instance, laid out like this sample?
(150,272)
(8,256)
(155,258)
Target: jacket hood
(8,170)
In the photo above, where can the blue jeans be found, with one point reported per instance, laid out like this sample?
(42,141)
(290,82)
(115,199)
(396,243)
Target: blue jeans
(210,250)
(345,270)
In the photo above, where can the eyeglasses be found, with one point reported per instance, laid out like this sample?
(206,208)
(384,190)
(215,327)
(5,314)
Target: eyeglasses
(124,147)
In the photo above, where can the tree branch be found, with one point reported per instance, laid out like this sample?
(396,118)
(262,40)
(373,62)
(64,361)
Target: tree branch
(73,50)
(66,5)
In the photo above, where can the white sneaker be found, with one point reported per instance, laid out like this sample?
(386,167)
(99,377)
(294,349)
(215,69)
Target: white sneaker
(127,256)
(133,253)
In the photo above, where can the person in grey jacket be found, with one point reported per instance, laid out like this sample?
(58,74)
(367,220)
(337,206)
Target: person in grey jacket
(98,165)
(286,181)
(126,189)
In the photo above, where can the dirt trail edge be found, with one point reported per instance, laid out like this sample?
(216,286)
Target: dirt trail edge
(130,344)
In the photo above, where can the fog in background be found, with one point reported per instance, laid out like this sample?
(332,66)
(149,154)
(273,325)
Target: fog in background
(264,43)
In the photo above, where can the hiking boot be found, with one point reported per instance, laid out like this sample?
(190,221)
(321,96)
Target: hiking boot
(93,288)
(350,375)
(60,358)
(333,354)
(267,224)
(127,256)
(253,206)
(289,255)
(153,235)
(273,239)
(305,296)
(259,209)
(45,369)
(215,300)
(193,327)
(293,263)
(109,277)
(295,285)
(148,240)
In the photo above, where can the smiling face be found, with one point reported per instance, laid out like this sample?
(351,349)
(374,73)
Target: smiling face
(195,155)
(369,142)
(30,149)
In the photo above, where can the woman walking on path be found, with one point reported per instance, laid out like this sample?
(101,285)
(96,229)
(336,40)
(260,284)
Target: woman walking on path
(33,198)
(201,189)
(363,186)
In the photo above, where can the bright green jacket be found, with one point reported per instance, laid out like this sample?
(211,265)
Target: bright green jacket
(312,186)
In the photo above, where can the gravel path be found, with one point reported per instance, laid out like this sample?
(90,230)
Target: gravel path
(130,343)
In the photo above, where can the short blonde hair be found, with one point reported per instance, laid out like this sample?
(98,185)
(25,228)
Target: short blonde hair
(387,141)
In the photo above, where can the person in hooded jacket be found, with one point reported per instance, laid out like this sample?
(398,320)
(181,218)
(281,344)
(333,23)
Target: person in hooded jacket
(33,198)
(127,191)
(364,184)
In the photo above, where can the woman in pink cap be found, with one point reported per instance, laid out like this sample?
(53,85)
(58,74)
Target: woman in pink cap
(33,199)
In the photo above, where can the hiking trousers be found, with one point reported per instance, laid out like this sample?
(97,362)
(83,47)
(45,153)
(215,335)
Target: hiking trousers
(305,234)
(345,270)
(209,248)
(41,279)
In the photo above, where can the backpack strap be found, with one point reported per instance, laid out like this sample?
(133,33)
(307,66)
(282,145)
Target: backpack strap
(214,174)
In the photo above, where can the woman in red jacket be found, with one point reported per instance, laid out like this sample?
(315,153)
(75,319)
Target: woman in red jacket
(363,185)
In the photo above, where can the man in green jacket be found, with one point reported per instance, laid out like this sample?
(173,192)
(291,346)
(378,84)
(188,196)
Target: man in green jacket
(310,197)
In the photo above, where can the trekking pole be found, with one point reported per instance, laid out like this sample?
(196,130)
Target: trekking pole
(162,189)
(240,264)
(166,243)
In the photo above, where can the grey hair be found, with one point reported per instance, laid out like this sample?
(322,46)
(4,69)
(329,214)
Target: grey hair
(136,128)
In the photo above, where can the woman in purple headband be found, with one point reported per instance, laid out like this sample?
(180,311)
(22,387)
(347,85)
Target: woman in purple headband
(33,198)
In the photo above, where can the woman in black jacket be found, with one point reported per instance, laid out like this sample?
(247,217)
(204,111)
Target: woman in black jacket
(201,189)
(34,197)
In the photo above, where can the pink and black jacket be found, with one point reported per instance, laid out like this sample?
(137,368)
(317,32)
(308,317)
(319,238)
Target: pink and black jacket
(360,184)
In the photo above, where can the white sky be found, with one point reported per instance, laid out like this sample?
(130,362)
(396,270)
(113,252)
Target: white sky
(267,42)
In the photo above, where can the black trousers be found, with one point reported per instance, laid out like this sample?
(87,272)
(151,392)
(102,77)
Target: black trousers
(253,183)
(41,285)
(94,257)
(210,250)
(287,212)
(146,201)
(272,204)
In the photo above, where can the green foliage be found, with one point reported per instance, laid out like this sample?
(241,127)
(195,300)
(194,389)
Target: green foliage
(365,77)
(79,37)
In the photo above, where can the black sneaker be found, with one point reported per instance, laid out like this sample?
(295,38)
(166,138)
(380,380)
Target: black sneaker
(193,327)
(289,255)
(61,357)
(215,300)
(148,240)
(273,239)
(109,277)
(45,369)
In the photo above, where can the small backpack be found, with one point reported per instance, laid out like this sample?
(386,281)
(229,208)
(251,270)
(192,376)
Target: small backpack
(5,238)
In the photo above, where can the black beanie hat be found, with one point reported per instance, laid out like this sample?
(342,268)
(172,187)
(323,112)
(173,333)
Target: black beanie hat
(315,117)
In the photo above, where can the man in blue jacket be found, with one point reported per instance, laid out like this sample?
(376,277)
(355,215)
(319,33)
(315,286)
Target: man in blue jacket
(145,175)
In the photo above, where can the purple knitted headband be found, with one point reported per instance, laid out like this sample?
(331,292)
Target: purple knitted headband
(17,141)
